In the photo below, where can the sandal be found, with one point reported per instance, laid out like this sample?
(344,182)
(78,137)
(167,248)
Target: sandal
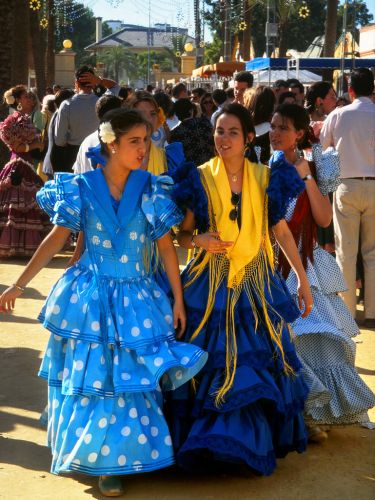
(316,435)
(110,486)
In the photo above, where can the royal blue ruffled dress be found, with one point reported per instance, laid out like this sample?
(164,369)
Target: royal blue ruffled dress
(112,348)
(262,415)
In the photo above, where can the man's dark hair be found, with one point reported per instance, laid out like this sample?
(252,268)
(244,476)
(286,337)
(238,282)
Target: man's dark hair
(149,88)
(219,96)
(183,108)
(63,95)
(280,83)
(106,103)
(244,76)
(362,82)
(84,69)
(199,91)
(230,92)
(285,96)
(297,85)
(177,89)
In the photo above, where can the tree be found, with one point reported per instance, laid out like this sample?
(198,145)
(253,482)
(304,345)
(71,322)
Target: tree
(330,28)
(213,50)
(38,46)
(116,60)
(20,52)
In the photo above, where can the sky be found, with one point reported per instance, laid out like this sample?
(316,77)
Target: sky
(175,12)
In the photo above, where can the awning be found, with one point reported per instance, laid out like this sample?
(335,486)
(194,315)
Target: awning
(260,63)
(221,69)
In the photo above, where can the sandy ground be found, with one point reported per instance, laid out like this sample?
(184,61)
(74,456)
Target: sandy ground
(343,467)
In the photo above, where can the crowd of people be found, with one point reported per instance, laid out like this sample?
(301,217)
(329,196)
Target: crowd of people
(249,353)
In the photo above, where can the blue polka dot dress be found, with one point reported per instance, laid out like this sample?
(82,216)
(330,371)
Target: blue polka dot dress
(112,349)
(325,347)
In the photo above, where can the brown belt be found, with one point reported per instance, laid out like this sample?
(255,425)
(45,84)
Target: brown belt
(361,178)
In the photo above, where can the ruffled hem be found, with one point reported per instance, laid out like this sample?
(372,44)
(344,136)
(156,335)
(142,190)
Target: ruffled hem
(350,396)
(324,274)
(81,368)
(123,435)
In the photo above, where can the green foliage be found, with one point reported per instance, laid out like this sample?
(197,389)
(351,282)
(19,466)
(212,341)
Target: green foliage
(213,50)
(116,60)
(357,15)
(163,59)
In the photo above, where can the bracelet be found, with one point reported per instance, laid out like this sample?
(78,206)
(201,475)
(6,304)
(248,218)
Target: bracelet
(307,177)
(192,242)
(20,288)
(27,148)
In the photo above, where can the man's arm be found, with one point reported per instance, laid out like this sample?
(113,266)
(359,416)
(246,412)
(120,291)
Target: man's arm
(61,125)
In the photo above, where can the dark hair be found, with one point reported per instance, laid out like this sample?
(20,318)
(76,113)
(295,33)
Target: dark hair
(362,82)
(177,89)
(183,108)
(84,69)
(16,92)
(63,95)
(199,91)
(122,120)
(219,96)
(261,104)
(297,85)
(230,92)
(290,81)
(300,119)
(141,96)
(244,76)
(317,89)
(123,93)
(165,102)
(201,102)
(246,122)
(285,95)
(106,103)
(149,88)
(280,83)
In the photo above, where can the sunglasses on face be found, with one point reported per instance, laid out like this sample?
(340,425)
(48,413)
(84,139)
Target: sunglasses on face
(235,200)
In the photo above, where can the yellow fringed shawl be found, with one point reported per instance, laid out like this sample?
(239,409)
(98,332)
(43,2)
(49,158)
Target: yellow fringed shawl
(246,263)
(157,161)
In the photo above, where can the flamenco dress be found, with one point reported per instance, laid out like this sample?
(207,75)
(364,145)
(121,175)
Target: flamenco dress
(337,394)
(112,348)
(23,225)
(260,418)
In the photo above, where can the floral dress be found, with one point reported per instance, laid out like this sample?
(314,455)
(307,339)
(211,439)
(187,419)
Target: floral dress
(112,348)
(23,225)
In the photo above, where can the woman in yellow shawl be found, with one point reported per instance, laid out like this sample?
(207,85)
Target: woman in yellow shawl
(246,405)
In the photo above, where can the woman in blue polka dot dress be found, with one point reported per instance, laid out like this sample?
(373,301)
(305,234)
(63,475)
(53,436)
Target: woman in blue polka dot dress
(112,349)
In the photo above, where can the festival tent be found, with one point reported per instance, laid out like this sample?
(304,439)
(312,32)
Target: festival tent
(310,63)
(304,76)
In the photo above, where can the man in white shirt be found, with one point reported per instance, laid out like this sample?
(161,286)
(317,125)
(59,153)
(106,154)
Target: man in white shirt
(106,103)
(351,130)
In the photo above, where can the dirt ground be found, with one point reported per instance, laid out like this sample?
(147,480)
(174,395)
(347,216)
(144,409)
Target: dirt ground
(343,467)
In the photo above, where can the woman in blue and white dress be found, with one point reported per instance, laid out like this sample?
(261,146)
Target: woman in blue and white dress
(112,348)
(324,342)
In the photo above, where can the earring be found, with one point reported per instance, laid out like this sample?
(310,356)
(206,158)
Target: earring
(113,151)
(19,107)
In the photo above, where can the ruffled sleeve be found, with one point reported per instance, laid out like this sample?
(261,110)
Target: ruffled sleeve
(94,154)
(159,207)
(285,184)
(61,200)
(327,165)
(188,192)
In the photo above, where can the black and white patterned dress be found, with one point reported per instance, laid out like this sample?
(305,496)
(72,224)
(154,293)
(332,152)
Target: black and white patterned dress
(325,347)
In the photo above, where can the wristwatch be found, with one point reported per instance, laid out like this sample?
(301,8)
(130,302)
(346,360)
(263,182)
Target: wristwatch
(307,177)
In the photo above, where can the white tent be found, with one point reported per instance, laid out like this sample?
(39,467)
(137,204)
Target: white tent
(270,76)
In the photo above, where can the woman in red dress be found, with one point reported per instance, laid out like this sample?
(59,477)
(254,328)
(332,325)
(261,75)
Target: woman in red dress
(23,225)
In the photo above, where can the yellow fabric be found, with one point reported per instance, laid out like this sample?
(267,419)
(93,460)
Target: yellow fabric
(157,161)
(248,240)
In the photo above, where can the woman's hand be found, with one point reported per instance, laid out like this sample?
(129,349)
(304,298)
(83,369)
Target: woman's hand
(179,318)
(302,167)
(305,299)
(8,299)
(212,243)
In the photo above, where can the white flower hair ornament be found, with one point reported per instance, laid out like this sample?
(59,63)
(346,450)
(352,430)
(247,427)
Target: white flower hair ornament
(106,133)
(9,97)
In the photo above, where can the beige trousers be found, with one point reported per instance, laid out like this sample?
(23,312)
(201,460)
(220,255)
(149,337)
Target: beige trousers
(354,218)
